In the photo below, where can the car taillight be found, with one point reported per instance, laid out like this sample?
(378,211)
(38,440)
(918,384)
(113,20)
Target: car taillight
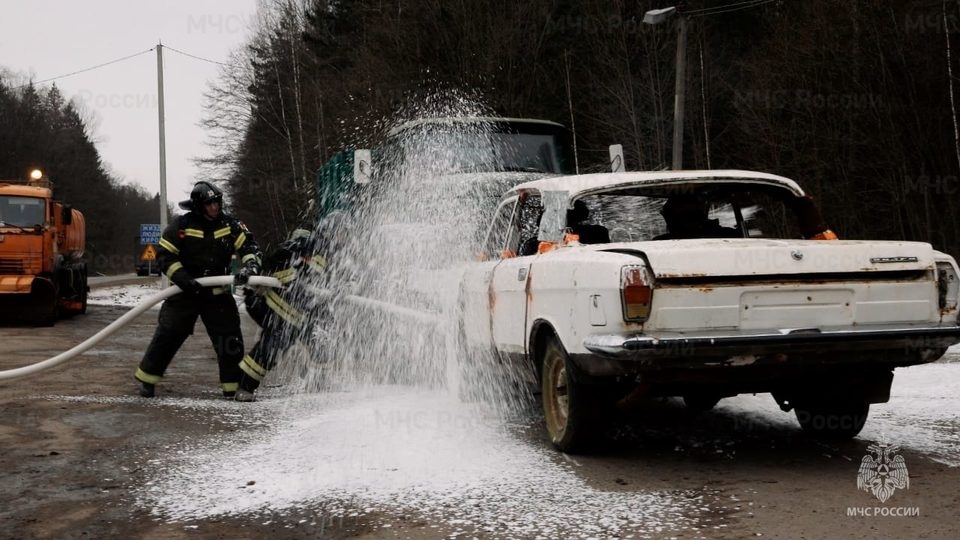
(636,288)
(948,285)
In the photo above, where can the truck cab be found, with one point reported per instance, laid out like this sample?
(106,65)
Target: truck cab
(43,273)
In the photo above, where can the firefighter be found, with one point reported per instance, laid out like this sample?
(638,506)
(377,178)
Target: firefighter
(285,316)
(198,244)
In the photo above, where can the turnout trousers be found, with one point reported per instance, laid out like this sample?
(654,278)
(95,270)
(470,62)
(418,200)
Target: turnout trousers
(177,319)
(274,339)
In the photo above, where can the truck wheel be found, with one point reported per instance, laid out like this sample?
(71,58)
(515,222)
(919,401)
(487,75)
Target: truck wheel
(48,314)
(83,291)
(700,403)
(569,409)
(833,420)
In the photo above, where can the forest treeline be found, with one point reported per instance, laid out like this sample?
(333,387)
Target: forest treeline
(852,99)
(41,129)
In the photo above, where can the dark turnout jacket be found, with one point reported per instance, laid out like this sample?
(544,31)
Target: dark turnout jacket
(193,246)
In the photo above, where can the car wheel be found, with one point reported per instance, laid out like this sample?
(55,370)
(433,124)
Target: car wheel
(568,407)
(700,403)
(833,421)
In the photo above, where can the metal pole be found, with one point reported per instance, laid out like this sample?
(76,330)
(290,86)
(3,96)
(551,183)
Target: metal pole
(163,150)
(679,95)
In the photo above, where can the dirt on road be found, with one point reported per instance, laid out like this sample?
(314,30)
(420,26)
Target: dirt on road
(77,447)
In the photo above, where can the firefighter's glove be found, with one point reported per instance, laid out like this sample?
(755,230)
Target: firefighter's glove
(246,272)
(191,287)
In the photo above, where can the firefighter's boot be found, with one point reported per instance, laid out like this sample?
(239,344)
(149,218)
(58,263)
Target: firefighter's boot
(147,390)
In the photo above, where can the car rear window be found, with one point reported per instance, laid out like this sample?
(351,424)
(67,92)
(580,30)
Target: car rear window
(731,213)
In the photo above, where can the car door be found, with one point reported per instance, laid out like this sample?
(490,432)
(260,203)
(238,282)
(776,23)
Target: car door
(511,277)
(476,291)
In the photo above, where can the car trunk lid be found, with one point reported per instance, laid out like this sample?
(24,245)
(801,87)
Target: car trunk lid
(761,258)
(755,284)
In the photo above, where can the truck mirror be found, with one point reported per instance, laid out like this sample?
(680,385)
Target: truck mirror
(362,167)
(616,158)
(67,214)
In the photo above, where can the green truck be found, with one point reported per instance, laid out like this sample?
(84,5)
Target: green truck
(458,145)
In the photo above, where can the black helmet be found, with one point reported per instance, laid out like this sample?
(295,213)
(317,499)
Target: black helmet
(202,193)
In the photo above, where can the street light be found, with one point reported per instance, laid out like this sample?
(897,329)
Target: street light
(657,16)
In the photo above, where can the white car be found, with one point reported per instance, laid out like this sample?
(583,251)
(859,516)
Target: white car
(700,284)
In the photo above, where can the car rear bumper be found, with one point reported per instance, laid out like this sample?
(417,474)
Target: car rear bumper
(619,354)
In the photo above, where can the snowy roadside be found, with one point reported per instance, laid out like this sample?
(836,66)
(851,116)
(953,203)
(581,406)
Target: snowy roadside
(131,295)
(923,413)
(123,295)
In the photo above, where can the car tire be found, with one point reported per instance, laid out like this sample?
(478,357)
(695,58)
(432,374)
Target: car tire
(833,420)
(570,409)
(698,403)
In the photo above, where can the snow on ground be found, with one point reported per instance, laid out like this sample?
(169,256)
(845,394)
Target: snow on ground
(923,413)
(408,452)
(123,295)
(131,295)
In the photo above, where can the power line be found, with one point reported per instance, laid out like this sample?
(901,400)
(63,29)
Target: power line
(691,11)
(727,8)
(178,51)
(98,66)
(748,3)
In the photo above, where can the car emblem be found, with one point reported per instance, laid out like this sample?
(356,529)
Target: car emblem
(797,255)
(887,260)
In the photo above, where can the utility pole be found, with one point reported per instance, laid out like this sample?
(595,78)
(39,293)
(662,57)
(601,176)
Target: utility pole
(679,95)
(658,16)
(163,150)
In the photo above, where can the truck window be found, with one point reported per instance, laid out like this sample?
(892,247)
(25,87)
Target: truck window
(21,211)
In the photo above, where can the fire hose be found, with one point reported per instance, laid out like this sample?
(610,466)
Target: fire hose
(215,281)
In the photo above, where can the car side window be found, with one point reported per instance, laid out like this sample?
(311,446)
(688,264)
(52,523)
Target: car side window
(528,226)
(500,229)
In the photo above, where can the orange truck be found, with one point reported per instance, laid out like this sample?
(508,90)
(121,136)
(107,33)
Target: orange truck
(43,274)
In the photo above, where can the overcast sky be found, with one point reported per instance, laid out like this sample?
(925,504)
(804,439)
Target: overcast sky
(47,38)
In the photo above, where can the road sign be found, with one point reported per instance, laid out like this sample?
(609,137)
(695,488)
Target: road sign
(149,253)
(149,233)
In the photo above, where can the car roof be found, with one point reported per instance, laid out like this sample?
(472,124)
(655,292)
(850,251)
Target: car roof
(577,185)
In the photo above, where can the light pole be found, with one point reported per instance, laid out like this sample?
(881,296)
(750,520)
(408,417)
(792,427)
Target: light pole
(657,16)
(163,151)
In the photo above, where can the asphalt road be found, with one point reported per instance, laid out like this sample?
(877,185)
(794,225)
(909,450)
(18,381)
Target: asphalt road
(79,450)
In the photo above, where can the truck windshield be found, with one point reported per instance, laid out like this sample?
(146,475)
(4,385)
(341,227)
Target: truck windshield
(483,147)
(21,211)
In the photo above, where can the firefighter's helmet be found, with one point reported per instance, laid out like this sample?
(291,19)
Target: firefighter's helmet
(202,193)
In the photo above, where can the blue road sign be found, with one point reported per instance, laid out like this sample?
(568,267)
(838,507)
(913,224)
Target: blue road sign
(149,233)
